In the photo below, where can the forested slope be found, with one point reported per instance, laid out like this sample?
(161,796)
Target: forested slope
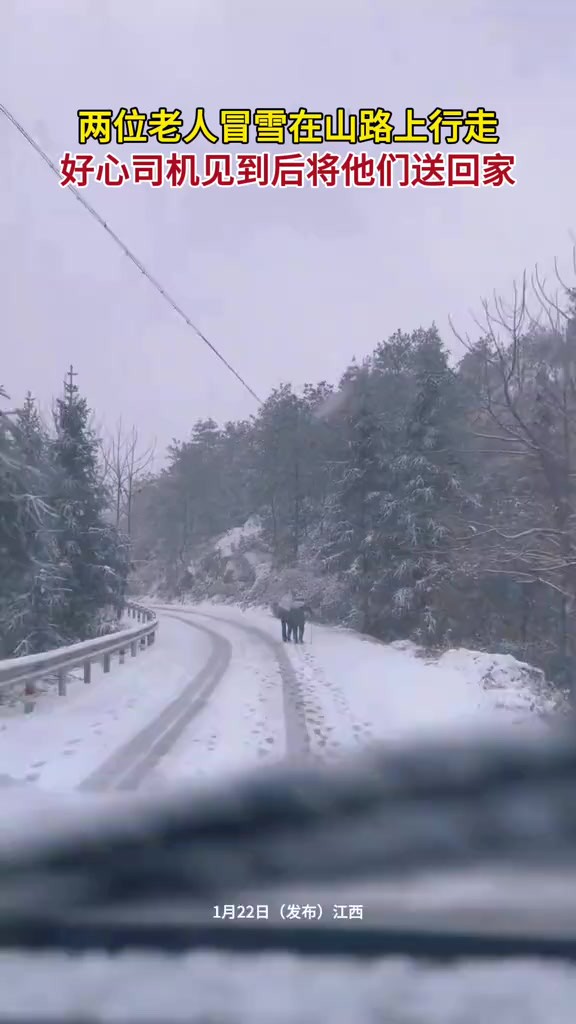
(415,498)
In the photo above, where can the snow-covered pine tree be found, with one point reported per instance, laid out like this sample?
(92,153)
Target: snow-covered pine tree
(424,489)
(25,522)
(94,557)
(39,605)
(352,550)
(14,556)
(279,472)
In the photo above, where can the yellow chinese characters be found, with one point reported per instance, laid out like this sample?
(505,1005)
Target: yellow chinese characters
(130,126)
(95,124)
(270,123)
(200,127)
(306,127)
(275,126)
(235,126)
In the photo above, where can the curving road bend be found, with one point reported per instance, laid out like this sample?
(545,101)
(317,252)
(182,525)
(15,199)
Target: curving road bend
(244,707)
(297,740)
(132,762)
(253,718)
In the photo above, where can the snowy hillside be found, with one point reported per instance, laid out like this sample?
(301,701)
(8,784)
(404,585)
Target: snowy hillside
(235,540)
(237,567)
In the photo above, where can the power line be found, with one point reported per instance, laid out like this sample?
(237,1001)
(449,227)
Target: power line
(127,252)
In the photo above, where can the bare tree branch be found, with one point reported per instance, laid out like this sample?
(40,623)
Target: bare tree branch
(124,467)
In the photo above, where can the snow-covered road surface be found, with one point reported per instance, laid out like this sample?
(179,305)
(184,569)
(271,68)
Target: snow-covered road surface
(248,721)
(69,741)
(348,690)
(219,693)
(320,722)
(132,762)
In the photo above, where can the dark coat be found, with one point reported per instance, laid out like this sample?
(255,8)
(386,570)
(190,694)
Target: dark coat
(297,615)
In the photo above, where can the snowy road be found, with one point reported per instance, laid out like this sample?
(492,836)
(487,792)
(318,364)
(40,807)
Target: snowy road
(319,718)
(133,762)
(252,717)
(101,731)
(213,696)
(255,701)
(219,693)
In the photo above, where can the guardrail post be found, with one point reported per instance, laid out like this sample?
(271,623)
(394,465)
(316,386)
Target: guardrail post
(61,683)
(87,671)
(133,649)
(150,639)
(106,662)
(122,655)
(142,641)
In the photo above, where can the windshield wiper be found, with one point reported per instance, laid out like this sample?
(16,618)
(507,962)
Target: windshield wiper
(150,878)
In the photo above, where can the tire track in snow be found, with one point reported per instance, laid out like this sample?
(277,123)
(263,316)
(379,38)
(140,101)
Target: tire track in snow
(298,742)
(129,765)
(320,722)
(241,728)
(333,727)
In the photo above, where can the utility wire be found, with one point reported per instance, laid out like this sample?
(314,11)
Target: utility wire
(127,252)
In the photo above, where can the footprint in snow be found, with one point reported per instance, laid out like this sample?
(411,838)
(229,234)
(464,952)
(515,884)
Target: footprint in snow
(38,764)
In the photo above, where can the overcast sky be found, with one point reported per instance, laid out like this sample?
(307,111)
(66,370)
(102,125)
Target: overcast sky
(288,284)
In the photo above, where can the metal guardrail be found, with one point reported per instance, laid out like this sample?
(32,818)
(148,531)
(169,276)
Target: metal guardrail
(32,668)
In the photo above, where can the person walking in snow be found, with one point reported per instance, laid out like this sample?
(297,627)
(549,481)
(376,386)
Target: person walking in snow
(284,611)
(297,619)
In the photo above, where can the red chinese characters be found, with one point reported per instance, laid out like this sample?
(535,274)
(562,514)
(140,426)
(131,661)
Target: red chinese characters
(319,169)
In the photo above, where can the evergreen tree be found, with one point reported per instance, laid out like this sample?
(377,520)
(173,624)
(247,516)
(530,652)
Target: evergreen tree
(93,557)
(424,493)
(25,518)
(279,492)
(40,604)
(290,471)
(352,508)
